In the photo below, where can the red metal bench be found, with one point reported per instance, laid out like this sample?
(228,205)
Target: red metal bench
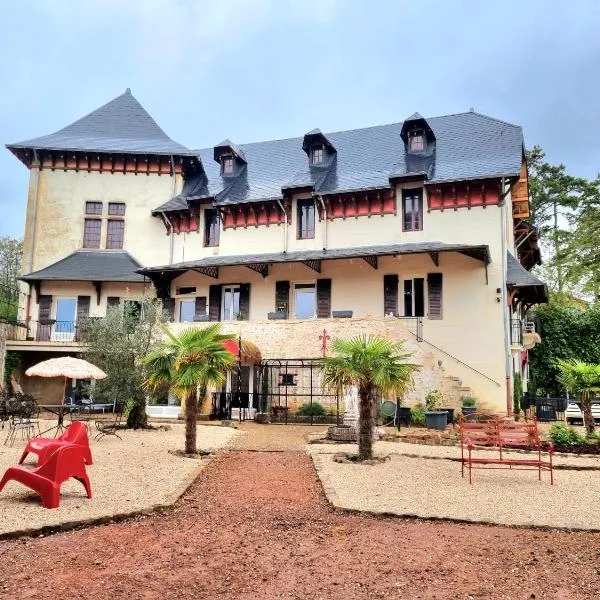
(504,434)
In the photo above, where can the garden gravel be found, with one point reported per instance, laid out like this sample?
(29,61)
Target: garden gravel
(131,475)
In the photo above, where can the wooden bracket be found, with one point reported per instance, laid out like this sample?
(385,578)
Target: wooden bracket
(208,271)
(262,268)
(371,260)
(315,265)
(435,257)
(98,286)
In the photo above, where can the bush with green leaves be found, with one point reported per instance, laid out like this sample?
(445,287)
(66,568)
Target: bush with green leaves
(434,400)
(563,435)
(468,401)
(313,409)
(417,415)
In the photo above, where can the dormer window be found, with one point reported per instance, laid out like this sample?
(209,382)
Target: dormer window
(416,140)
(317,155)
(228,165)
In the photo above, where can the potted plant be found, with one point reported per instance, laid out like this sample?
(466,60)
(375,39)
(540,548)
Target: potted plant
(435,417)
(468,405)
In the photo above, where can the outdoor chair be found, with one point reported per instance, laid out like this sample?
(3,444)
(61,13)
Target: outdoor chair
(109,427)
(65,462)
(23,416)
(75,433)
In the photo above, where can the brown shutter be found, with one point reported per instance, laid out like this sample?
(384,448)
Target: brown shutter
(282,297)
(113,302)
(390,294)
(169,308)
(83,311)
(323,298)
(434,287)
(244,301)
(200,308)
(214,303)
(44,327)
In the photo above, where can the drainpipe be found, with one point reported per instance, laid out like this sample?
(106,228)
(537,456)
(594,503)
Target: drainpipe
(171,238)
(173,193)
(285,227)
(507,354)
(320,198)
(36,187)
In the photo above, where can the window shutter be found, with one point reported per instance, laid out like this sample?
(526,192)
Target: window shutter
(83,311)
(244,301)
(169,308)
(282,297)
(44,326)
(214,303)
(434,286)
(390,294)
(323,298)
(113,302)
(200,308)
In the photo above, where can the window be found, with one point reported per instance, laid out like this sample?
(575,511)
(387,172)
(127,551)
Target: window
(185,290)
(66,317)
(212,227)
(416,141)
(228,165)
(306,219)
(304,300)
(230,309)
(414,297)
(412,210)
(287,379)
(114,234)
(317,156)
(187,311)
(92,233)
(93,208)
(116,209)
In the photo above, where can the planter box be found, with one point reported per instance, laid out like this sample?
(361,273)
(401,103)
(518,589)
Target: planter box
(450,412)
(342,314)
(468,410)
(163,411)
(277,316)
(436,420)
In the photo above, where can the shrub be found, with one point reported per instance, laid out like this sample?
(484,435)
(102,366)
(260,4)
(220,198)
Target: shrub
(468,401)
(434,400)
(417,415)
(563,435)
(517,393)
(312,410)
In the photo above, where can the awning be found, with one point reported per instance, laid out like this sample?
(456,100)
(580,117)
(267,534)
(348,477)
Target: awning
(527,287)
(249,352)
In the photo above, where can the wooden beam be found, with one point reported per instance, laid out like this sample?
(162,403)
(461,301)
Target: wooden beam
(98,286)
(315,265)
(371,261)
(208,271)
(435,257)
(262,268)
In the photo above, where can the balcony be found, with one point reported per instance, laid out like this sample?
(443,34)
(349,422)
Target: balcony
(42,335)
(523,335)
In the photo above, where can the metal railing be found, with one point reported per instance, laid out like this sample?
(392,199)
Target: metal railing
(516,332)
(64,332)
(414,325)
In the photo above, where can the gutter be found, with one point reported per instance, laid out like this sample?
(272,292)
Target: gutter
(172,239)
(285,227)
(35,207)
(320,199)
(506,314)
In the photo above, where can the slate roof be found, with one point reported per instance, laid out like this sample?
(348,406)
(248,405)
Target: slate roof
(468,146)
(91,265)
(480,252)
(122,125)
(518,276)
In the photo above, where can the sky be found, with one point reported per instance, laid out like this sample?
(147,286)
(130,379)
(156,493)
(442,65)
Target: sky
(253,70)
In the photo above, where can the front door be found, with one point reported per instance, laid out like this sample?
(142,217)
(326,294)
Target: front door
(242,398)
(65,317)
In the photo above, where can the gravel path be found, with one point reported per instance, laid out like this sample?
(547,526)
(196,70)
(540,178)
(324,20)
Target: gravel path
(276,438)
(130,475)
(256,526)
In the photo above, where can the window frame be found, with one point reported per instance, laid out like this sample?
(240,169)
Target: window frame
(413,136)
(208,243)
(231,288)
(299,285)
(412,292)
(96,203)
(85,232)
(109,244)
(116,214)
(304,233)
(313,153)
(225,161)
(415,224)
(183,301)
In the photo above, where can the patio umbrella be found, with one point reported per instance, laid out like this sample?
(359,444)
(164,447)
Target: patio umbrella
(67,367)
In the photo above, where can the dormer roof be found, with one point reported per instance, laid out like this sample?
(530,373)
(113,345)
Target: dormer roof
(314,138)
(229,148)
(121,126)
(416,122)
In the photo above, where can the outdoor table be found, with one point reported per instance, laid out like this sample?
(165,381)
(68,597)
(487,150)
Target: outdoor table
(59,410)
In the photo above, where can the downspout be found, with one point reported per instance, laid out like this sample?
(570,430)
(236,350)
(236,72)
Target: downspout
(285,227)
(36,187)
(507,354)
(320,198)
(168,222)
(174,192)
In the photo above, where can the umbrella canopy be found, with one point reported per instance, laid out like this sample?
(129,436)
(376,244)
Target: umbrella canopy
(66,366)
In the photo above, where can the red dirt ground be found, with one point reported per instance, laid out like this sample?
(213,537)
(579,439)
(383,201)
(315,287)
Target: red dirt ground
(256,525)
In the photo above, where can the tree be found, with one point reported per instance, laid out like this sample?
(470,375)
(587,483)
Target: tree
(372,364)
(188,363)
(11,252)
(116,343)
(583,379)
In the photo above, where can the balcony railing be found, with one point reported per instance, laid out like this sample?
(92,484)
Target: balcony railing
(516,332)
(51,331)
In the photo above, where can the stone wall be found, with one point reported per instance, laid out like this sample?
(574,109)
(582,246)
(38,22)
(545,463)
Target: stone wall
(3,334)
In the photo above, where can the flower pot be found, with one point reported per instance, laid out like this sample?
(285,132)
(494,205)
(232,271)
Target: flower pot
(450,412)
(436,420)
(468,410)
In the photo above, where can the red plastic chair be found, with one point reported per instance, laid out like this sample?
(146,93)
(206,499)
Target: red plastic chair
(65,462)
(75,433)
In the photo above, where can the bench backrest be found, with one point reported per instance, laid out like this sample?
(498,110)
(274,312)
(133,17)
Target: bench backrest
(499,431)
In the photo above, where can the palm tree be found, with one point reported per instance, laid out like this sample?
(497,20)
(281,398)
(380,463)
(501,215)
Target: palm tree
(581,378)
(188,363)
(372,364)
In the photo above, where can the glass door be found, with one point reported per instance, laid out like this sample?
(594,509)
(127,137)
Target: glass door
(65,317)
(230,309)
